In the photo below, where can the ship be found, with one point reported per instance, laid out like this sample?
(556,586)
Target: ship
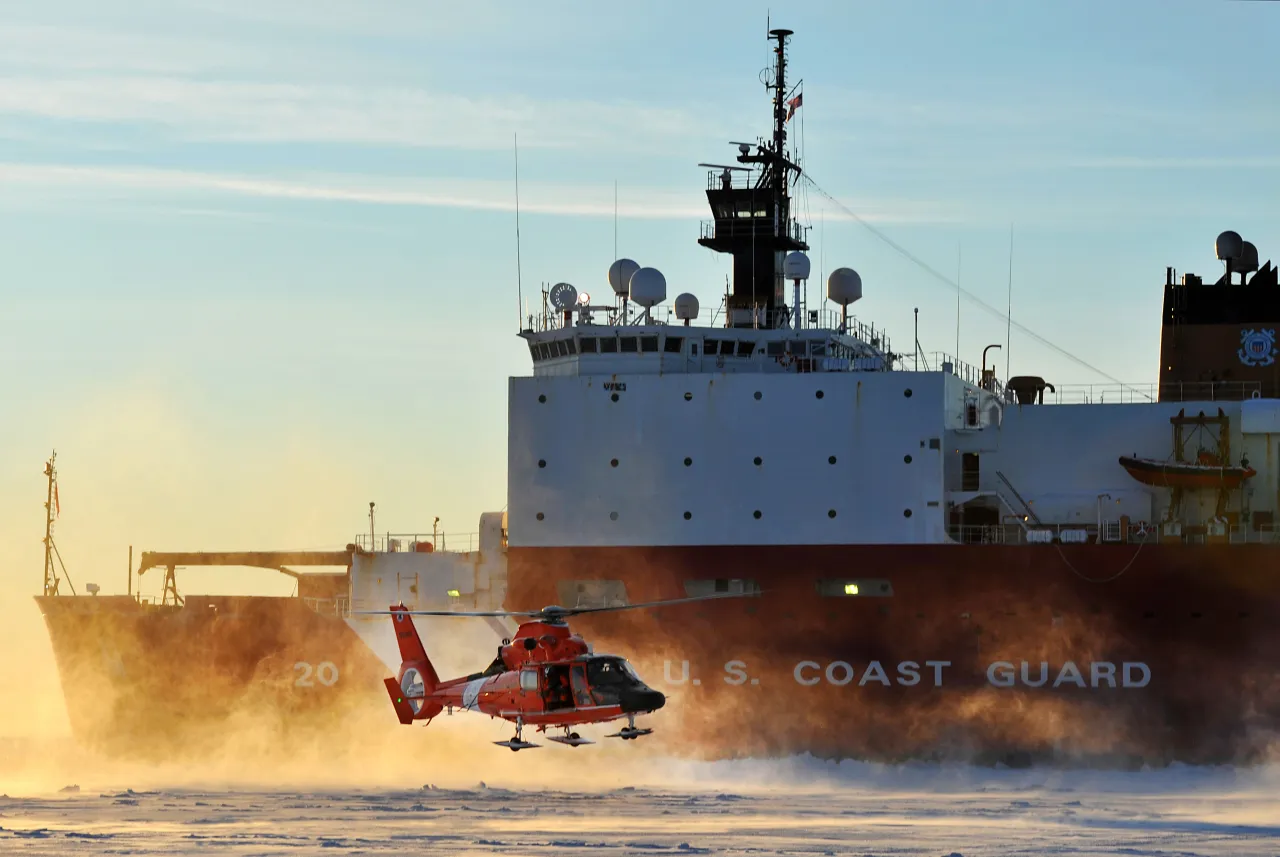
(934,562)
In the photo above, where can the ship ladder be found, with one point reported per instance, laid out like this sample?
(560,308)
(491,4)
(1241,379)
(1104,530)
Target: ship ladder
(1026,509)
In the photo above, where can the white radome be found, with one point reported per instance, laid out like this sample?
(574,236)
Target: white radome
(795,266)
(620,273)
(844,286)
(1228,245)
(648,287)
(686,306)
(1248,259)
(563,296)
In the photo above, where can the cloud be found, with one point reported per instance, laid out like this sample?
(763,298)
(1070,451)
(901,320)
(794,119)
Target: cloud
(476,194)
(1227,162)
(236,111)
(45,48)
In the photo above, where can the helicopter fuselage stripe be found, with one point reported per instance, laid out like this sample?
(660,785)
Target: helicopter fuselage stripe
(471,694)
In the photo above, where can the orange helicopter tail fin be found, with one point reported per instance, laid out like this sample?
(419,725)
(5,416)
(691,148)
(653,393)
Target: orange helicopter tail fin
(404,710)
(412,652)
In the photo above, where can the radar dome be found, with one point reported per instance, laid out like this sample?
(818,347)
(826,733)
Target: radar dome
(1228,246)
(844,286)
(686,307)
(1248,260)
(648,287)
(563,296)
(796,266)
(620,275)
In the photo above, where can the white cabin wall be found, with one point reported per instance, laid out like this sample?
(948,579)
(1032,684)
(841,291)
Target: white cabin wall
(423,581)
(1061,457)
(863,419)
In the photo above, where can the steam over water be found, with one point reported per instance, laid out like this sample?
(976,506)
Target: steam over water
(358,785)
(370,785)
(447,791)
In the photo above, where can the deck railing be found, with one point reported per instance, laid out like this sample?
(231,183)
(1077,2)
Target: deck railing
(1112,534)
(339,606)
(405,542)
(1178,391)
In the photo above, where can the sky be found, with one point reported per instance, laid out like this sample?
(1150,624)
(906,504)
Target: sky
(258,260)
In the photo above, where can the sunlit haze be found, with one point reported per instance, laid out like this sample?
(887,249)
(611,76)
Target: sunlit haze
(258,261)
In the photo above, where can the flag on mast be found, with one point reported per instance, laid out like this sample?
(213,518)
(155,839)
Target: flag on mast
(793,104)
(57,505)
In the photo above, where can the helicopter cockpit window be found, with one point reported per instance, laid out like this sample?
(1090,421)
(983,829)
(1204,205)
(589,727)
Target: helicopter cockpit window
(603,672)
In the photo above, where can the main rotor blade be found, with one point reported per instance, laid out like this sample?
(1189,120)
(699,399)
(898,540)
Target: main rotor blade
(483,614)
(553,612)
(574,611)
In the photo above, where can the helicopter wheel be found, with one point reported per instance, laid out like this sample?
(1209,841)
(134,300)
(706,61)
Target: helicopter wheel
(574,735)
(630,732)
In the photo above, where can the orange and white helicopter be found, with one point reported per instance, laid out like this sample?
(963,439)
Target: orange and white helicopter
(546,677)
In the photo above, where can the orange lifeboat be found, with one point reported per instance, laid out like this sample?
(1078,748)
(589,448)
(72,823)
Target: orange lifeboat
(1185,474)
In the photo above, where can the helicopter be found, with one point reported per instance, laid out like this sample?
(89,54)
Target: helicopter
(546,677)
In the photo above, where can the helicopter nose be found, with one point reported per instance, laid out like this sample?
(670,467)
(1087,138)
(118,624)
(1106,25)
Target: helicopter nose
(637,701)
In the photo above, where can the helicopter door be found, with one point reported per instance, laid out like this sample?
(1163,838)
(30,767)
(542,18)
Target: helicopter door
(555,687)
(578,682)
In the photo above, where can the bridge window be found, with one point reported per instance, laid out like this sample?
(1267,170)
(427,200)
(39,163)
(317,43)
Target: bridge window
(673,344)
(648,344)
(746,349)
(533,350)
(588,345)
(797,347)
(711,347)
(608,345)
(775,349)
(819,349)
(630,344)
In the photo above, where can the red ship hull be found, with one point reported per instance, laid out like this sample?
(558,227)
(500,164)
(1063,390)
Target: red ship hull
(167,682)
(1193,630)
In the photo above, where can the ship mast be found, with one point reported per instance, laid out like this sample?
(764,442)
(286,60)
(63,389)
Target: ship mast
(50,575)
(753,216)
(779,165)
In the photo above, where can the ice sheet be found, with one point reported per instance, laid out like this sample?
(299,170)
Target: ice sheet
(797,807)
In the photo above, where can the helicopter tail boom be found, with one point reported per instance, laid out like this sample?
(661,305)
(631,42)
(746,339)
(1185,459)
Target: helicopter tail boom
(408,697)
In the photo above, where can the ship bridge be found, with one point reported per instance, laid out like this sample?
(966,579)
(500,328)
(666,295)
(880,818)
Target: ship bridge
(585,348)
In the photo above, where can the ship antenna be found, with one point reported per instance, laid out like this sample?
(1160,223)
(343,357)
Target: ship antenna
(1008,313)
(519,282)
(959,248)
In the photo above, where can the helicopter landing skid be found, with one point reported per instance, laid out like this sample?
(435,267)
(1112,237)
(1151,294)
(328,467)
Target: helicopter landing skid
(516,744)
(630,732)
